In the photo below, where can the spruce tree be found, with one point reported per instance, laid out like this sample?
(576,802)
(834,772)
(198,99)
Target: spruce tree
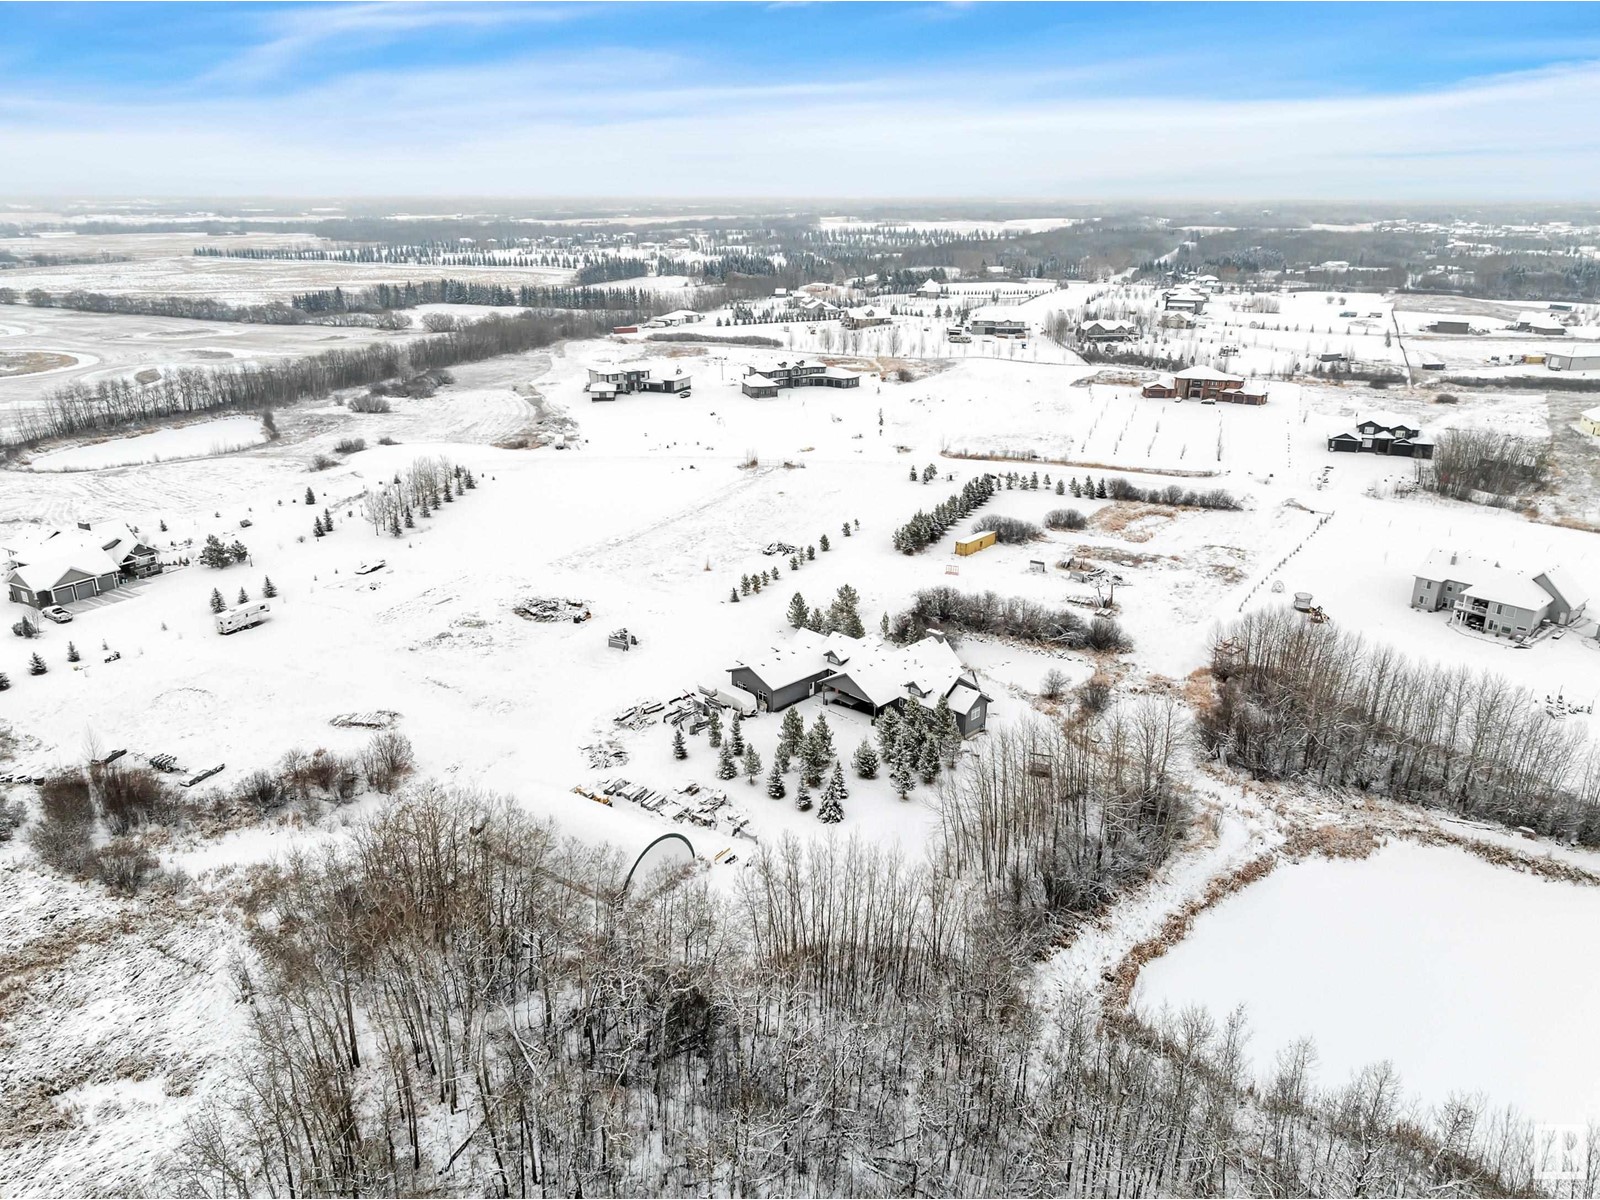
(794,563)
(316,527)
(1061,488)
(744,584)
(823,544)
(752,764)
(5,681)
(36,666)
(811,551)
(217,602)
(394,524)
(817,622)
(845,529)
(680,749)
(791,733)
(714,730)
(902,778)
(775,785)
(410,522)
(831,810)
(72,653)
(798,612)
(889,725)
(244,596)
(928,761)
(913,474)
(1100,489)
(844,614)
(866,760)
(946,732)
(736,733)
(733,595)
(802,796)
(311,497)
(214,554)
(268,588)
(727,768)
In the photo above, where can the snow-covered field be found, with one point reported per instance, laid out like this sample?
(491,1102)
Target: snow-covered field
(650,518)
(198,440)
(1467,977)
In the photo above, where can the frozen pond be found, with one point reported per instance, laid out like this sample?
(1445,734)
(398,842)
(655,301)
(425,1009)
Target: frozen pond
(1467,976)
(189,441)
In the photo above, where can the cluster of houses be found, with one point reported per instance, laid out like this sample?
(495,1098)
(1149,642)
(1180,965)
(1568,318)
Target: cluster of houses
(609,382)
(1010,292)
(1383,433)
(1484,596)
(764,385)
(869,676)
(1207,385)
(67,565)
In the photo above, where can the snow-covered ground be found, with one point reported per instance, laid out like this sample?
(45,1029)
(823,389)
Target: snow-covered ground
(1466,976)
(196,440)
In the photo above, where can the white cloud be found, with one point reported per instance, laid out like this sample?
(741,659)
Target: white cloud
(629,122)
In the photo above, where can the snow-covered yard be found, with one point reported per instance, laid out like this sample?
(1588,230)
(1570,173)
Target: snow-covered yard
(1468,977)
(198,440)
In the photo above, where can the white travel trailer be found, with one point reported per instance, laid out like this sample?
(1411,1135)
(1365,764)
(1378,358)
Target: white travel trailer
(246,615)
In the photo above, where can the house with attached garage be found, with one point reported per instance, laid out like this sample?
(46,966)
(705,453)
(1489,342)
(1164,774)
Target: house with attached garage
(864,317)
(67,565)
(867,675)
(1107,331)
(1383,433)
(998,320)
(1482,595)
(609,382)
(764,384)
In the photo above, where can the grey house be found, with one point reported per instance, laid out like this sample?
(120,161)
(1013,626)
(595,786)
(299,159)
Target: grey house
(1485,596)
(785,675)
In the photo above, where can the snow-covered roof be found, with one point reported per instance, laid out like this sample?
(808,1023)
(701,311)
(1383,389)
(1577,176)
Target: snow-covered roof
(45,567)
(838,373)
(1564,586)
(1591,414)
(1500,586)
(865,313)
(757,379)
(680,314)
(1387,420)
(963,696)
(1455,565)
(1101,323)
(884,672)
(1208,374)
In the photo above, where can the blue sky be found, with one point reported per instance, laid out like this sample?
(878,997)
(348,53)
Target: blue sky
(1091,101)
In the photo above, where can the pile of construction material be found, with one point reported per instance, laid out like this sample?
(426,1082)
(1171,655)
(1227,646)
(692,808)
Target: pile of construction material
(378,718)
(699,805)
(551,608)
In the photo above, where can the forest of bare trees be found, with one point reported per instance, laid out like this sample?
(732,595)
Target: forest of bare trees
(116,403)
(1297,700)
(457,1001)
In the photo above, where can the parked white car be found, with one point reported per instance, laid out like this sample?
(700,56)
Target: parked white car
(56,613)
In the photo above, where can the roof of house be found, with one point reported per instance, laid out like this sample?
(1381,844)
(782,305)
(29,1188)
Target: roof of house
(46,568)
(680,314)
(838,373)
(1591,414)
(1387,420)
(963,696)
(1500,586)
(997,312)
(1098,323)
(866,313)
(1456,565)
(1563,587)
(1254,387)
(884,672)
(1209,374)
(798,660)
(757,379)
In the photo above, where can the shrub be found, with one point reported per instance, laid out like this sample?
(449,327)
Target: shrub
(63,835)
(26,628)
(122,864)
(387,760)
(951,609)
(1106,634)
(1065,518)
(370,404)
(130,796)
(322,462)
(1094,694)
(387,441)
(1447,398)
(1055,683)
(1013,531)
(260,790)
(350,445)
(1178,497)
(12,813)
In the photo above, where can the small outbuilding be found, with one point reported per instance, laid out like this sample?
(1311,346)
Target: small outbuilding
(975,542)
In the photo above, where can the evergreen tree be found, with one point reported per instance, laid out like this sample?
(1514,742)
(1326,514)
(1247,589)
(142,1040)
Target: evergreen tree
(802,796)
(928,761)
(756,583)
(394,524)
(410,522)
(268,588)
(845,529)
(727,768)
(752,764)
(883,624)
(798,611)
(316,527)
(680,749)
(72,653)
(866,760)
(811,551)
(1061,488)
(775,785)
(889,725)
(744,584)
(733,595)
(902,778)
(238,551)
(36,666)
(1076,490)
(327,520)
(913,474)
(794,563)
(946,732)
(311,497)
(714,730)
(831,810)
(214,553)
(790,734)
(244,596)
(736,733)
(5,681)
(822,543)
(1100,489)
(217,602)
(817,622)
(844,614)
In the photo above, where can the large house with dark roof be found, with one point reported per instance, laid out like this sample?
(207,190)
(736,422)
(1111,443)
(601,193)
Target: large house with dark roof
(609,382)
(1383,433)
(764,384)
